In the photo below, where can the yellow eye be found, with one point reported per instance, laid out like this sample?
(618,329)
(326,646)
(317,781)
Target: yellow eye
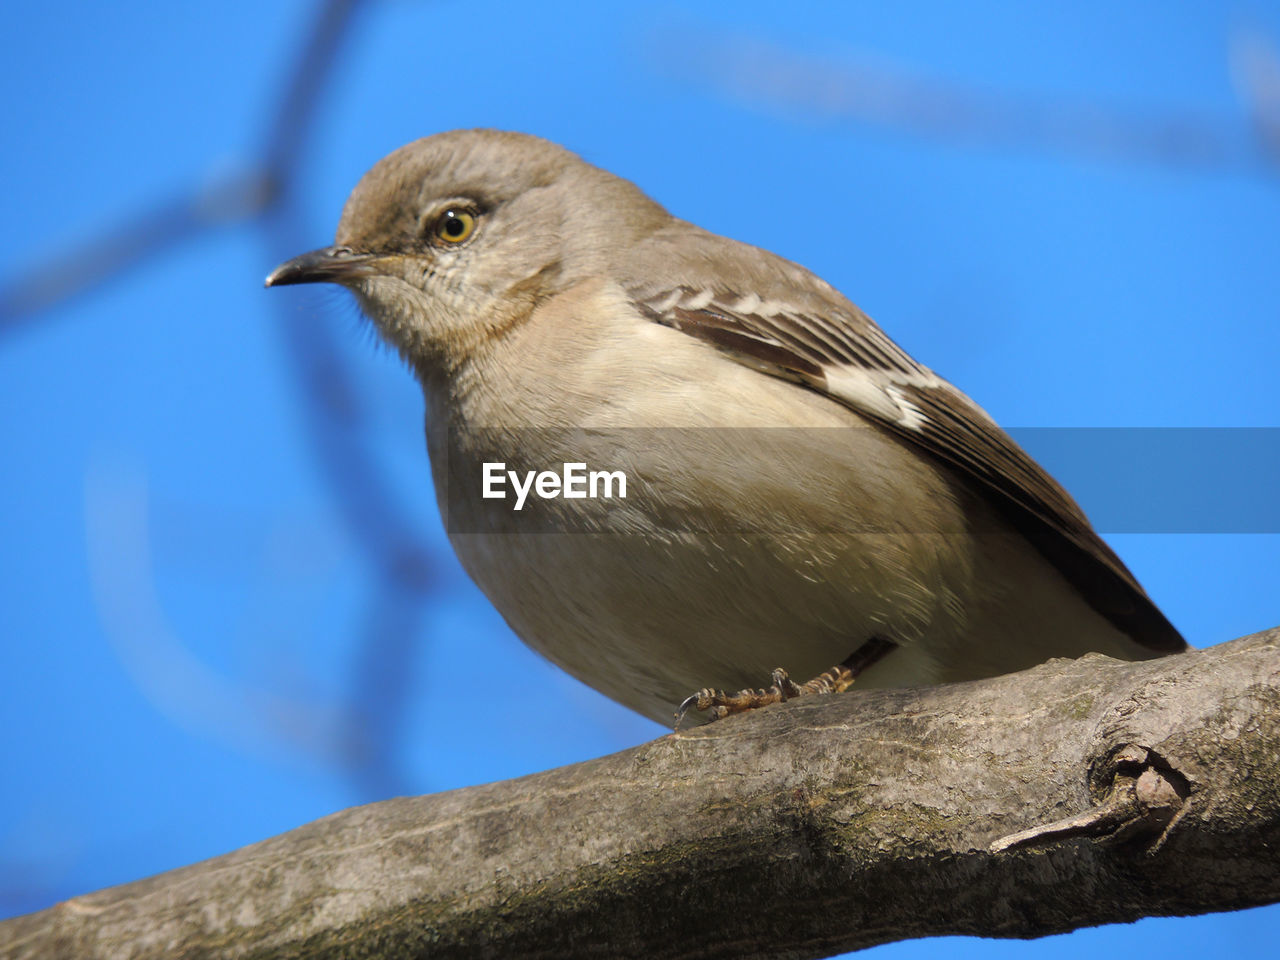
(455,225)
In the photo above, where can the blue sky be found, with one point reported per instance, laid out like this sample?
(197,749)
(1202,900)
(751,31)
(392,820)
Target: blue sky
(200,643)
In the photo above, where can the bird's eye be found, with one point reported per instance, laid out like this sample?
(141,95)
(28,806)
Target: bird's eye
(454,225)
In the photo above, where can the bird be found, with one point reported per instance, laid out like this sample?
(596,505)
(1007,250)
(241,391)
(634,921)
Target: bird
(802,496)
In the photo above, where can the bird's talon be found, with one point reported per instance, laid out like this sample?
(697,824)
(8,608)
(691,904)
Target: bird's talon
(718,705)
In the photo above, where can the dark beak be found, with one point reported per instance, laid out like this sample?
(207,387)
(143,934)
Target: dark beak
(327,265)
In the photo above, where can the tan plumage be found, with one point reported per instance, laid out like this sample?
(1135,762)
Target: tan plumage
(797,483)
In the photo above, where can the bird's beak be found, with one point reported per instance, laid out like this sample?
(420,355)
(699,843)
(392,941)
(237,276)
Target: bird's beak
(326,265)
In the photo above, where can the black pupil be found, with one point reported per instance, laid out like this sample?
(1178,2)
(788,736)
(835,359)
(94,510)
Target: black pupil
(453,225)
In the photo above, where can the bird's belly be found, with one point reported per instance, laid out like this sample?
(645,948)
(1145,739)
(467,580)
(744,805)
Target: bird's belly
(648,620)
(652,597)
(786,532)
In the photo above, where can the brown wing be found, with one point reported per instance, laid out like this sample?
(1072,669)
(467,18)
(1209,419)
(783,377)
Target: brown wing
(832,347)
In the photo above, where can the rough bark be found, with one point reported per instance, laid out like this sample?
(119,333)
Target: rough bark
(1077,793)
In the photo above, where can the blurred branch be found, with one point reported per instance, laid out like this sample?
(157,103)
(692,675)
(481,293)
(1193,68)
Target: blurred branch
(131,244)
(243,197)
(337,430)
(747,68)
(1077,793)
(365,495)
(301,99)
(869,91)
(264,196)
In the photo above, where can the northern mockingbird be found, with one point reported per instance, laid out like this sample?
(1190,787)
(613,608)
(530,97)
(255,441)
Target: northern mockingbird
(848,507)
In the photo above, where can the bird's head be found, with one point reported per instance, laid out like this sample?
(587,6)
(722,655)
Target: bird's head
(453,238)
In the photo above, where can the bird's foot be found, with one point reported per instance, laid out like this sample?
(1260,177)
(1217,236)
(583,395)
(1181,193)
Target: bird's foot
(720,704)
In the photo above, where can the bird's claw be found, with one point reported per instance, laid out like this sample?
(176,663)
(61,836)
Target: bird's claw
(719,704)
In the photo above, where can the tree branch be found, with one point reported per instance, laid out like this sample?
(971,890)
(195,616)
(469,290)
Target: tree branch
(1077,793)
